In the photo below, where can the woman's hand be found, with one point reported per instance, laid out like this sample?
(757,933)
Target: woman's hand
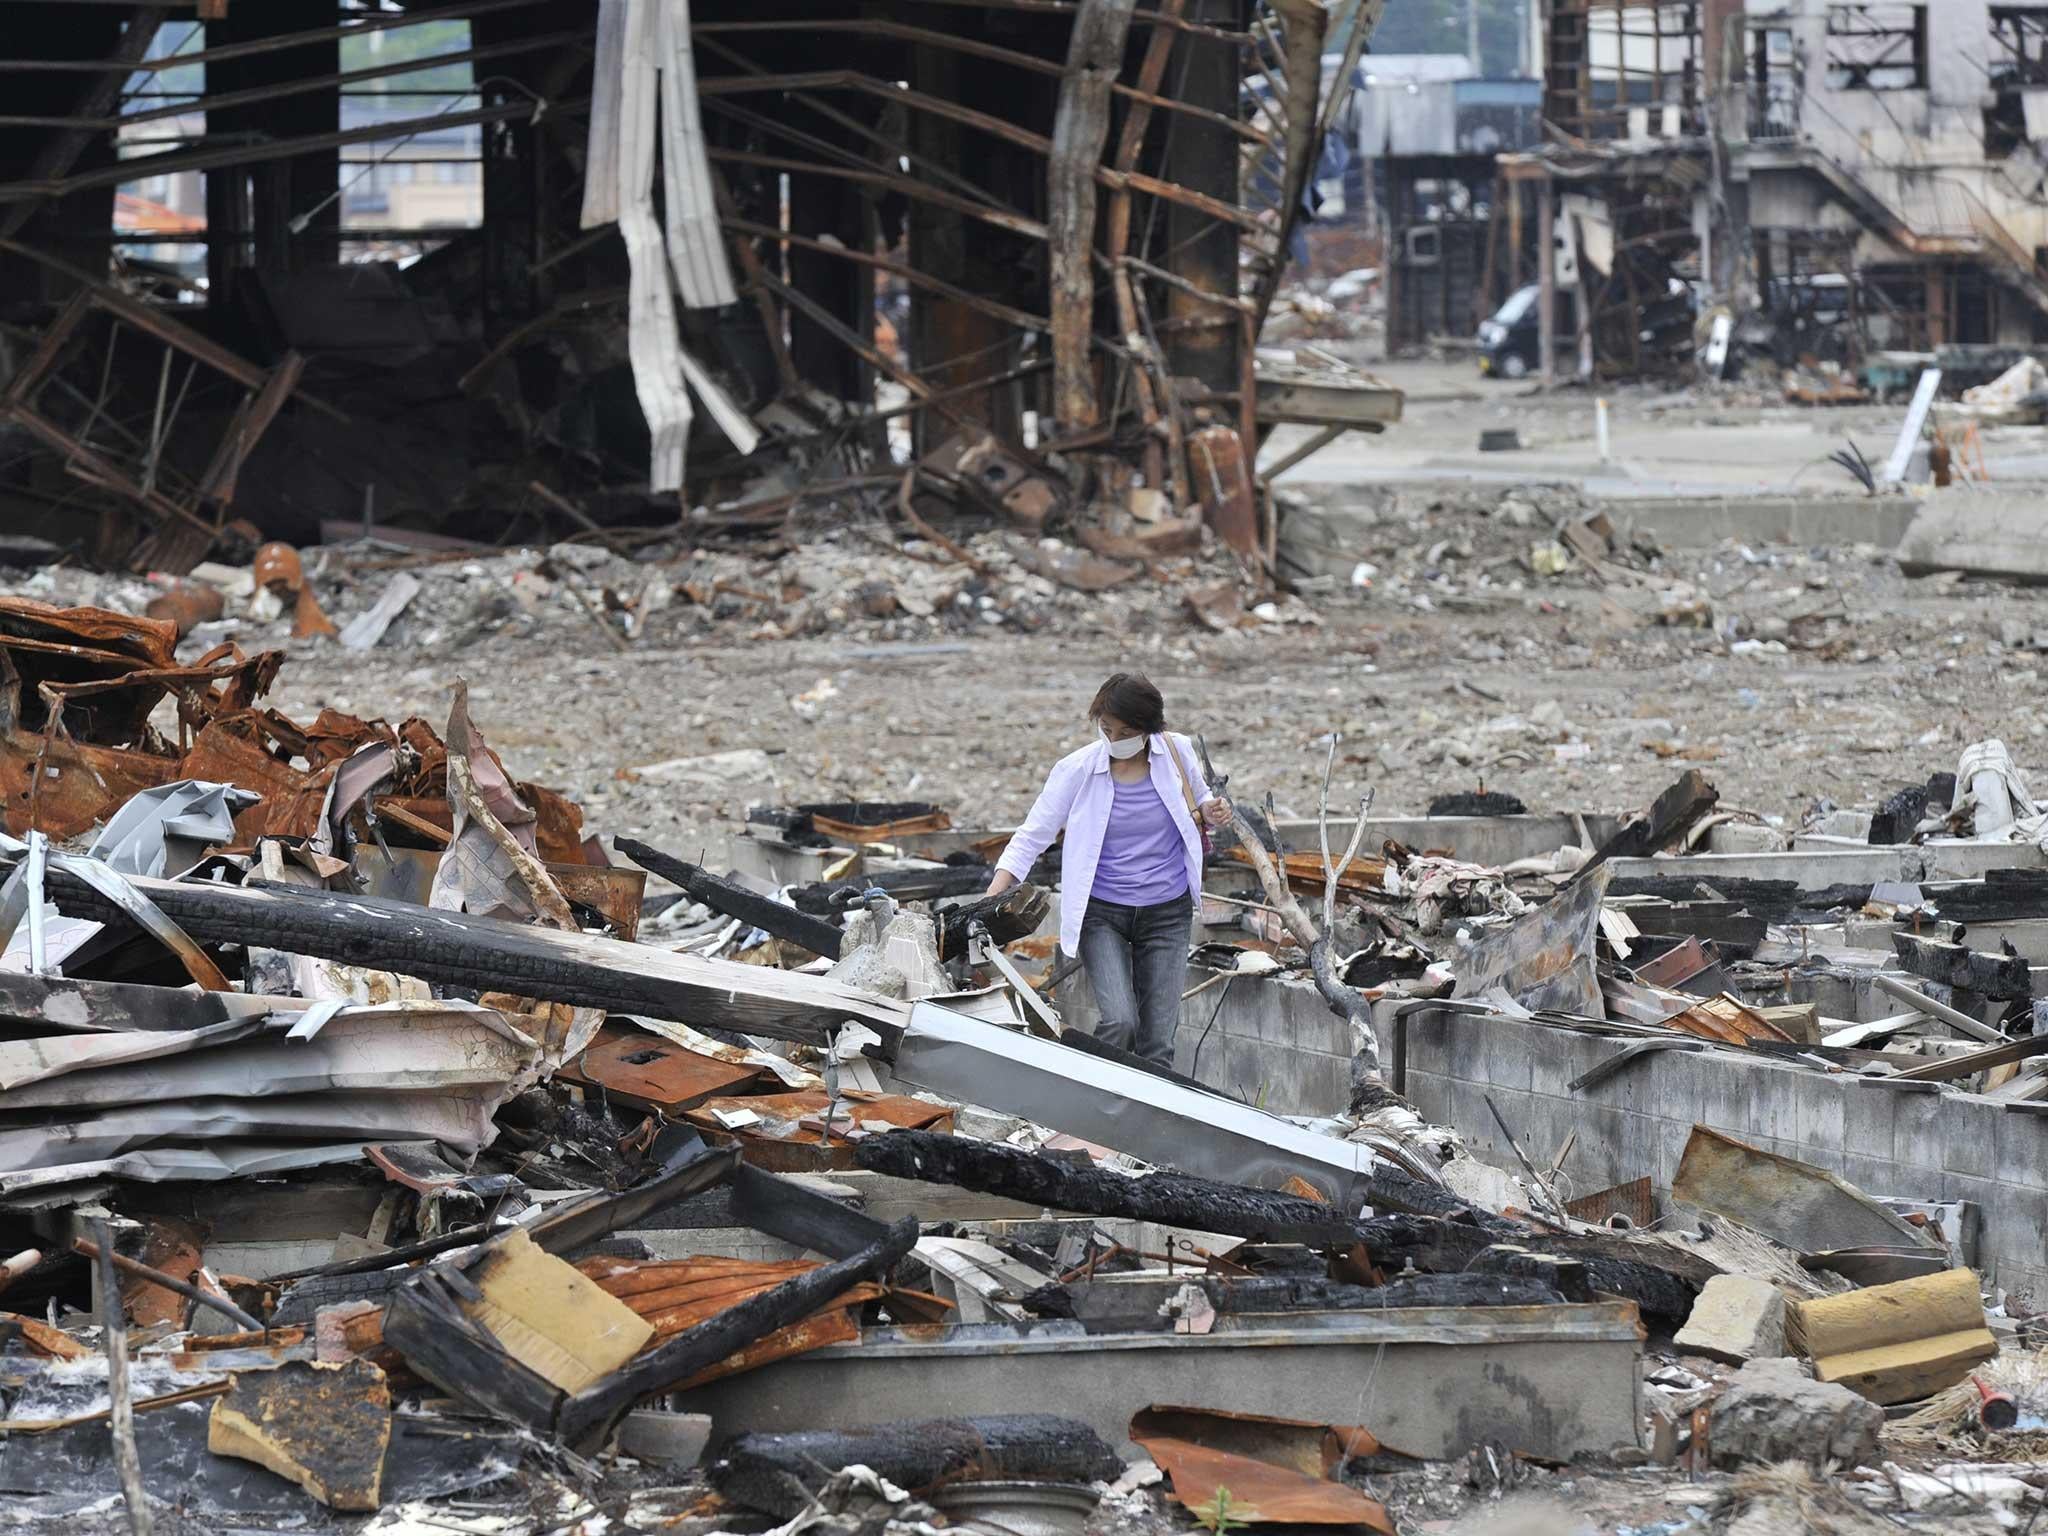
(1003,881)
(1216,812)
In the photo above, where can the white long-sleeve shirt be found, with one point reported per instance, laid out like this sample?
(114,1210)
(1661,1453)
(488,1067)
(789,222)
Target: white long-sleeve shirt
(1077,796)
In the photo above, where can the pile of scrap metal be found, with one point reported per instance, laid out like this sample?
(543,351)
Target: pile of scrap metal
(1010,261)
(388,1155)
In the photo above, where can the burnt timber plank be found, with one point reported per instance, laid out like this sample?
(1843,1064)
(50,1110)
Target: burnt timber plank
(1439,1231)
(490,954)
(1675,810)
(729,899)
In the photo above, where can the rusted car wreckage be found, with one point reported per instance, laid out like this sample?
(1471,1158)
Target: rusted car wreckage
(1078,211)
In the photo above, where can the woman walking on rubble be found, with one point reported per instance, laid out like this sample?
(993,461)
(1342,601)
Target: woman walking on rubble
(1131,869)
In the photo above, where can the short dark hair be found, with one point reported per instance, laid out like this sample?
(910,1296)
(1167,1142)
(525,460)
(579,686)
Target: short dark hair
(1131,698)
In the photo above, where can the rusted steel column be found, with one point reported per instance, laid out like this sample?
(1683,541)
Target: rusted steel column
(1095,54)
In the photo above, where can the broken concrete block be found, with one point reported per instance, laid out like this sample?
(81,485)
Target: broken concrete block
(1737,1318)
(1899,1342)
(665,1439)
(1773,1411)
(326,1427)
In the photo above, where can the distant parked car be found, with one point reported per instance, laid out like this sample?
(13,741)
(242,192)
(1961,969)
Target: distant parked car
(1510,342)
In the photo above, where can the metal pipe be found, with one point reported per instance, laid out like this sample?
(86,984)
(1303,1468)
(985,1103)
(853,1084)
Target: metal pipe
(1976,1029)
(279,44)
(280,149)
(141,1271)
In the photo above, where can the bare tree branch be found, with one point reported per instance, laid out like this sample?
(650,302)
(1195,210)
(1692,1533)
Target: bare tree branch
(1368,1084)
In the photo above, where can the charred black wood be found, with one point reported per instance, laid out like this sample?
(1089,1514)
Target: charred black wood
(1676,809)
(1416,1221)
(1056,1184)
(2003,976)
(1565,1276)
(587,1419)
(577,1222)
(1298,1293)
(780,1473)
(1897,818)
(1485,802)
(791,825)
(1016,914)
(484,953)
(934,884)
(730,899)
(1774,901)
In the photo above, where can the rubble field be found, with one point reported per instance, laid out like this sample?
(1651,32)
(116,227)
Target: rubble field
(522,1035)
(1506,680)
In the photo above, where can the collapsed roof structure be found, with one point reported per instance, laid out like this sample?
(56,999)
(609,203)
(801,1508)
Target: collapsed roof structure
(1023,248)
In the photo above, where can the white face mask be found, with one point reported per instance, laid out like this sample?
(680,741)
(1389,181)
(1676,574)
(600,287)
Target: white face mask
(1129,747)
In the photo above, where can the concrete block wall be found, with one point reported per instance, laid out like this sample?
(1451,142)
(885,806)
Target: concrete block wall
(1268,1041)
(1940,1145)
(1273,1042)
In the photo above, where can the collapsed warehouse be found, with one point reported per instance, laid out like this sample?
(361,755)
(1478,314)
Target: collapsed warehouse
(1074,218)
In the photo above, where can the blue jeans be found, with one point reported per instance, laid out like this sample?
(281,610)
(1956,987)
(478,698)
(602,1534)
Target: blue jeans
(1137,959)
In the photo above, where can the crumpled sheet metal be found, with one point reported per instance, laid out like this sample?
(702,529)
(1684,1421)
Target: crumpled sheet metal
(106,672)
(173,824)
(1258,1493)
(406,1071)
(1131,1110)
(1260,1489)
(63,1183)
(1543,959)
(16,902)
(489,866)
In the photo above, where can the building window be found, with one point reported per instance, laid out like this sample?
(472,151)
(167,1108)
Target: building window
(1877,48)
(2018,71)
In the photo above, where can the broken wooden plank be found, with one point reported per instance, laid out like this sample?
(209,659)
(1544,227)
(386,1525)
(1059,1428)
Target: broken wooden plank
(1947,1068)
(1016,914)
(587,1419)
(1095,55)
(1434,1227)
(326,1427)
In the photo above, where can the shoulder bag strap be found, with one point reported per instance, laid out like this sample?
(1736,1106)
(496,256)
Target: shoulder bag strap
(1186,788)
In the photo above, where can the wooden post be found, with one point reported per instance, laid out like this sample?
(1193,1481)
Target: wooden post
(1095,52)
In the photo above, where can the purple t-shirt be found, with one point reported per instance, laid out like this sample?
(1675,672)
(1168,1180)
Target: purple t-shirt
(1143,860)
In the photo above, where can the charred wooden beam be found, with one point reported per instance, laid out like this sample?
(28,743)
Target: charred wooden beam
(2002,977)
(780,1473)
(1676,809)
(1417,1221)
(729,899)
(903,884)
(1170,1198)
(493,955)
(1095,52)
(587,1419)
(1014,915)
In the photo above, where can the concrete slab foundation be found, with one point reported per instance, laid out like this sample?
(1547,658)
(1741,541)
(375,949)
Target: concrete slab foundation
(1701,522)
(1548,1381)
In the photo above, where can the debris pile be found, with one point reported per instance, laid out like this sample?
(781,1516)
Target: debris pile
(375,1136)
